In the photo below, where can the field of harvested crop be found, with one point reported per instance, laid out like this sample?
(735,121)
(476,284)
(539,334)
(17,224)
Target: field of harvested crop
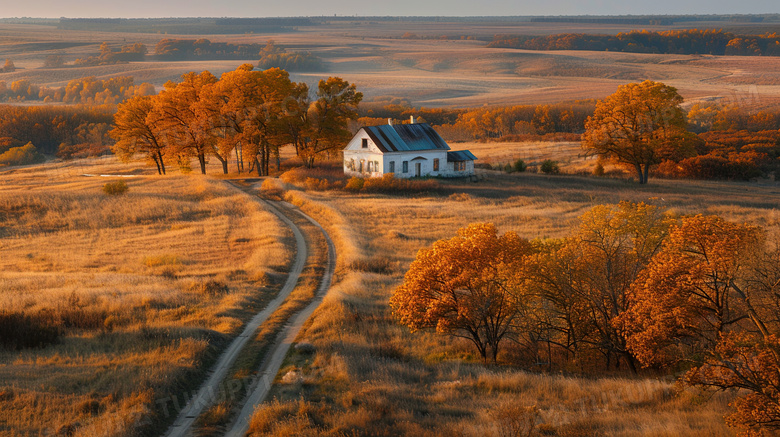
(429,72)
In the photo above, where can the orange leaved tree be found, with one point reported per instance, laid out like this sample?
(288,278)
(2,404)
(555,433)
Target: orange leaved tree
(587,278)
(711,298)
(637,126)
(470,286)
(696,289)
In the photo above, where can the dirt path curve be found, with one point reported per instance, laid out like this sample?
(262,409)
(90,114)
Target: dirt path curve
(209,390)
(271,365)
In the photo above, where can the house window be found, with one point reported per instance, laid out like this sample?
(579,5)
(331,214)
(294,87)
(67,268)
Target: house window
(436,164)
(351,164)
(376,165)
(392,166)
(360,169)
(369,166)
(460,165)
(365,143)
(406,167)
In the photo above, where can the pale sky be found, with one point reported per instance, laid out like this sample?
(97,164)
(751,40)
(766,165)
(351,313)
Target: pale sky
(296,8)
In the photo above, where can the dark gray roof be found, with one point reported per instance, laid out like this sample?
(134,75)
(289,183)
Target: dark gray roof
(460,155)
(406,137)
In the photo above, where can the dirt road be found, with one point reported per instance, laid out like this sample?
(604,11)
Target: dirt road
(211,389)
(273,361)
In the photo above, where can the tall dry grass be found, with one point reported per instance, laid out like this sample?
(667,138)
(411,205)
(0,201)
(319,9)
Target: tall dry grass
(361,372)
(143,289)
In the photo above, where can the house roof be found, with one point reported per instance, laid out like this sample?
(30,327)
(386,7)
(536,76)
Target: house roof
(406,137)
(460,155)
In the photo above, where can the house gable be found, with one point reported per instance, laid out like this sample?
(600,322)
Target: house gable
(361,139)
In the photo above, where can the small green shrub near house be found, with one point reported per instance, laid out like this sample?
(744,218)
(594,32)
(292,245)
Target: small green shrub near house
(520,166)
(23,155)
(115,188)
(549,167)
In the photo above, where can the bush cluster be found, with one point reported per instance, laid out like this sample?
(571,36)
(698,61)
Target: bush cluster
(115,188)
(23,155)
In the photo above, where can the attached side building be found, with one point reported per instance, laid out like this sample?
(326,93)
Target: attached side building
(407,150)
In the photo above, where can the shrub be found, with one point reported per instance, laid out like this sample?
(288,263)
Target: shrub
(549,167)
(390,184)
(736,165)
(23,155)
(381,265)
(460,197)
(598,170)
(520,166)
(271,189)
(214,288)
(354,184)
(115,188)
(19,331)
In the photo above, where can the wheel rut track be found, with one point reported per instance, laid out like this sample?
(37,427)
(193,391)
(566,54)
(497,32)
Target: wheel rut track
(258,390)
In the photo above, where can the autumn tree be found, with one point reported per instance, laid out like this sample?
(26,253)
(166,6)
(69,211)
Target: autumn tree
(265,125)
(588,277)
(327,118)
(135,132)
(638,126)
(712,298)
(696,290)
(178,112)
(470,286)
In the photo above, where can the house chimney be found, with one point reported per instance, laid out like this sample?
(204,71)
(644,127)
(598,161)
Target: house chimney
(411,119)
(390,121)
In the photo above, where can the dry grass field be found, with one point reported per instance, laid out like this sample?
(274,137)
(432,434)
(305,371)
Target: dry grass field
(362,372)
(145,288)
(429,72)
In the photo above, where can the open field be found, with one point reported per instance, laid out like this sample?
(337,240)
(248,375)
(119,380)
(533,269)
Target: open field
(429,72)
(144,288)
(369,373)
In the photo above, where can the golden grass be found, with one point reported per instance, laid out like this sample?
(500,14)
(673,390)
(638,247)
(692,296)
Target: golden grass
(172,268)
(365,373)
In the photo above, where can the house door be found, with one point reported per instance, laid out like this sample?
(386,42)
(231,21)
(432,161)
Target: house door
(417,169)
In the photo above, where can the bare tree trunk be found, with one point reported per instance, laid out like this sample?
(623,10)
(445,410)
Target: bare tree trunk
(157,163)
(639,173)
(224,162)
(202,160)
(259,167)
(162,162)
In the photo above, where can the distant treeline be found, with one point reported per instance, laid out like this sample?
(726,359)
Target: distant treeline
(184,26)
(712,42)
(505,123)
(65,131)
(87,90)
(657,19)
(270,54)
(126,53)
(170,49)
(273,56)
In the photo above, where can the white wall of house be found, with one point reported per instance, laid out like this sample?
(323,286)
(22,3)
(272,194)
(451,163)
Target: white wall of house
(394,163)
(370,157)
(468,169)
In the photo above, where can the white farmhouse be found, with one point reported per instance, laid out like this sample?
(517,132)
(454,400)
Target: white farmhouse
(407,150)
